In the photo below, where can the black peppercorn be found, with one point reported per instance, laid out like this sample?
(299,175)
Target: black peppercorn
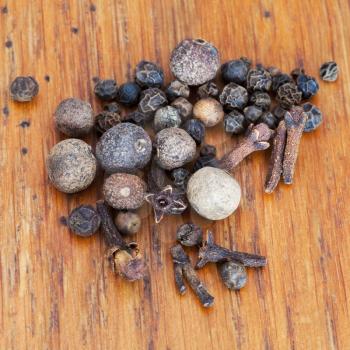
(208,150)
(196,129)
(149,75)
(307,85)
(234,96)
(180,177)
(184,107)
(234,122)
(189,235)
(129,93)
(137,118)
(314,117)
(280,79)
(233,274)
(329,71)
(106,90)
(112,107)
(209,89)
(106,120)
(261,100)
(252,113)
(84,220)
(279,112)
(259,79)
(194,61)
(205,161)
(151,99)
(166,117)
(236,71)
(296,72)
(177,89)
(288,95)
(269,119)
(24,89)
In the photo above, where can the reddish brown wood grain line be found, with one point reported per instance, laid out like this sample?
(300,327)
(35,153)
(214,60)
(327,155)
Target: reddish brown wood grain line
(56,290)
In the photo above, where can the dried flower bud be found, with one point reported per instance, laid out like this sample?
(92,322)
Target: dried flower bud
(213,193)
(189,235)
(125,147)
(194,62)
(74,117)
(209,111)
(71,165)
(175,147)
(124,191)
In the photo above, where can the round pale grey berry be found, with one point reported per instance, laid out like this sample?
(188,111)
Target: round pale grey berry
(166,117)
(124,191)
(175,147)
(209,111)
(71,165)
(124,148)
(213,193)
(74,117)
(194,61)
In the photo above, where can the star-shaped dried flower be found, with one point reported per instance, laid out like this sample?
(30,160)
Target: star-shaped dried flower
(167,202)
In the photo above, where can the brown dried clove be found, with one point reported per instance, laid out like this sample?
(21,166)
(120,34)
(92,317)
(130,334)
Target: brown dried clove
(124,257)
(276,160)
(255,140)
(211,252)
(295,120)
(184,269)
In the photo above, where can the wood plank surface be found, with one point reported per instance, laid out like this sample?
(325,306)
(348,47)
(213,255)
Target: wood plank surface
(57,291)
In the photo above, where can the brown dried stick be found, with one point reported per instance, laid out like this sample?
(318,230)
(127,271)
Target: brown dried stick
(211,252)
(295,121)
(275,167)
(181,260)
(124,257)
(255,140)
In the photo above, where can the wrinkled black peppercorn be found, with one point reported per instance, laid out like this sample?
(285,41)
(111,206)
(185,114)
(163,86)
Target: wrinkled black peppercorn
(184,107)
(196,129)
(233,274)
(203,161)
(261,100)
(259,79)
(279,112)
(137,118)
(166,117)
(24,89)
(151,99)
(269,119)
(177,89)
(280,79)
(329,71)
(129,94)
(84,220)
(288,95)
(189,235)
(149,75)
(236,71)
(234,122)
(307,85)
(208,150)
(106,120)
(180,177)
(209,89)
(234,96)
(112,107)
(106,90)
(296,72)
(314,117)
(252,113)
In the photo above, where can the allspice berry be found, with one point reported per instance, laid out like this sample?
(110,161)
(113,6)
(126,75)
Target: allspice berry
(209,111)
(125,147)
(128,222)
(71,165)
(194,61)
(74,117)
(213,193)
(124,191)
(174,147)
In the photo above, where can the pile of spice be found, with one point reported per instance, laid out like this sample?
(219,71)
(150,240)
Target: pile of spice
(151,148)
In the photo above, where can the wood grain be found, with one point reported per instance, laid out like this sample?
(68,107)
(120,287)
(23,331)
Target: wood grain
(57,291)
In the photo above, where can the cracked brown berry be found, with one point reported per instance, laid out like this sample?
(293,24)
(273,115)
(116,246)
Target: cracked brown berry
(194,61)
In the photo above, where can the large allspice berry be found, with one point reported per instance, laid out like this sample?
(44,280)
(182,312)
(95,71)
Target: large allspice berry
(209,111)
(175,147)
(71,165)
(124,191)
(125,147)
(128,222)
(213,193)
(194,61)
(74,117)
(24,89)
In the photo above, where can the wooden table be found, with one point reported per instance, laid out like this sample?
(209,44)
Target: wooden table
(57,291)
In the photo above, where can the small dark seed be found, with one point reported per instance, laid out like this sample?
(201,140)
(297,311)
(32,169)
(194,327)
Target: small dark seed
(329,71)
(84,220)
(189,235)
(24,89)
